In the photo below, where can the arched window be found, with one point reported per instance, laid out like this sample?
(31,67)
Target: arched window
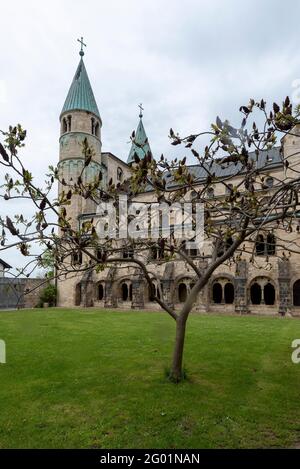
(269,182)
(229,293)
(271,243)
(100,291)
(296,293)
(64,126)
(97,130)
(78,294)
(217,293)
(255,293)
(269,294)
(93,126)
(182,292)
(125,292)
(119,174)
(260,245)
(69,123)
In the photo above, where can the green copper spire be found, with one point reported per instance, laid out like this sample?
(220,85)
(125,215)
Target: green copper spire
(143,147)
(80,96)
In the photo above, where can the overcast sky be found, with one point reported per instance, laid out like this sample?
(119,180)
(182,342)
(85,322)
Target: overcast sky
(186,61)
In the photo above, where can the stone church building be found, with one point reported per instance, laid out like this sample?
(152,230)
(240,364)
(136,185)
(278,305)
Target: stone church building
(242,288)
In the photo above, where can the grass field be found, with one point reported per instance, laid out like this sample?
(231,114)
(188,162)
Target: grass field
(94,379)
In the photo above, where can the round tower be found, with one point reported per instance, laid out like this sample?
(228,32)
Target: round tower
(79,120)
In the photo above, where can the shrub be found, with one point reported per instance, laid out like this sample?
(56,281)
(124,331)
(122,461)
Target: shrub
(48,295)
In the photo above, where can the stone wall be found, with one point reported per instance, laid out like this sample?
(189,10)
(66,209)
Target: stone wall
(20,292)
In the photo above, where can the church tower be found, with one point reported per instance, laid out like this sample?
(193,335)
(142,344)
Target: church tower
(79,119)
(140,147)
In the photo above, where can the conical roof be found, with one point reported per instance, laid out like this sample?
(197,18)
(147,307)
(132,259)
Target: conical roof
(80,96)
(143,147)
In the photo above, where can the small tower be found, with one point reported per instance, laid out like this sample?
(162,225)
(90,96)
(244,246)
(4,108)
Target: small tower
(79,119)
(141,145)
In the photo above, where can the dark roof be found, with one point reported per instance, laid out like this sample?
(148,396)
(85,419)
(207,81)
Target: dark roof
(267,160)
(4,264)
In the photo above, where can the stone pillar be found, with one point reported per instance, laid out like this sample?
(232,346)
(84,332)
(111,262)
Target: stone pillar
(240,288)
(203,300)
(284,286)
(167,283)
(138,290)
(87,290)
(110,298)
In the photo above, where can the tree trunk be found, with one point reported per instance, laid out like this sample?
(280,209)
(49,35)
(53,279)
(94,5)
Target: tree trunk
(176,373)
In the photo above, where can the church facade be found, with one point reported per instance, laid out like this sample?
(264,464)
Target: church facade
(242,287)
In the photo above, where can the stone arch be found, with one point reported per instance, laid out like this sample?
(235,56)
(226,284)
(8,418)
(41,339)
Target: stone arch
(229,293)
(155,289)
(217,292)
(182,292)
(255,293)
(125,289)
(262,291)
(183,286)
(269,293)
(100,291)
(296,293)
(222,289)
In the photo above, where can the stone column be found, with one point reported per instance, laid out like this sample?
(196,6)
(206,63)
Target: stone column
(87,289)
(110,298)
(203,300)
(167,284)
(138,290)
(240,288)
(284,286)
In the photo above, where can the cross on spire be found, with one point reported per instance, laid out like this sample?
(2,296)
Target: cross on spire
(81,53)
(141,109)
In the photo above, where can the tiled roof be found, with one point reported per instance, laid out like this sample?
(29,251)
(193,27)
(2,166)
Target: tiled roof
(267,160)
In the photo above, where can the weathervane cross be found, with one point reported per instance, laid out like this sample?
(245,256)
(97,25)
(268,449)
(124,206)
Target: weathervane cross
(82,44)
(141,109)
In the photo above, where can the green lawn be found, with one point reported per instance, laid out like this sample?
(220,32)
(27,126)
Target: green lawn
(94,379)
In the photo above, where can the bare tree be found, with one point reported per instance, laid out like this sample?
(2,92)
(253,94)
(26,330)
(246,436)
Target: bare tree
(235,159)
